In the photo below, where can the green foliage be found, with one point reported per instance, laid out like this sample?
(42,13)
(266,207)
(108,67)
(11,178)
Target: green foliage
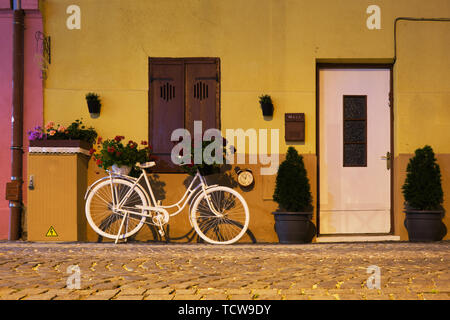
(292,189)
(265,99)
(422,188)
(75,131)
(204,168)
(91,96)
(113,151)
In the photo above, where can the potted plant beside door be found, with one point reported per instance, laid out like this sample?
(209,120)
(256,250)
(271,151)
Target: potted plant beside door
(423,195)
(293,195)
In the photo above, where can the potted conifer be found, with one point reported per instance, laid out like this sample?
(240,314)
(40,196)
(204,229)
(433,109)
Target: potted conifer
(292,193)
(423,195)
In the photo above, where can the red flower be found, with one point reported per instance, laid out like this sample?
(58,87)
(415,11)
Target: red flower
(144,143)
(111,150)
(118,153)
(99,140)
(91,151)
(99,162)
(118,138)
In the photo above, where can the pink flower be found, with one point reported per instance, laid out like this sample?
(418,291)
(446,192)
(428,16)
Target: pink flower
(52,132)
(49,125)
(61,129)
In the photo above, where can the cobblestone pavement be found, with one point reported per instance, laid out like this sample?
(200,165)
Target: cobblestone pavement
(136,271)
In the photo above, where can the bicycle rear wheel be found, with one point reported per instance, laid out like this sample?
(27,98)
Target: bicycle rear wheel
(102,216)
(223,220)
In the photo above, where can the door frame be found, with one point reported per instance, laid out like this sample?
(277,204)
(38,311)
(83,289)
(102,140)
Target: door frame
(322,66)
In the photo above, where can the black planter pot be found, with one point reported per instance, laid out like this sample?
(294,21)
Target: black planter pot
(94,108)
(267,109)
(294,227)
(425,225)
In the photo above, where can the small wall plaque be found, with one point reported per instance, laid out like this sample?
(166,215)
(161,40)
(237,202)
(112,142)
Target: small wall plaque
(12,191)
(294,125)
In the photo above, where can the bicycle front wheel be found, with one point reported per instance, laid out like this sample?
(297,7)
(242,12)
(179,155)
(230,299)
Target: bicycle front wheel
(102,213)
(220,215)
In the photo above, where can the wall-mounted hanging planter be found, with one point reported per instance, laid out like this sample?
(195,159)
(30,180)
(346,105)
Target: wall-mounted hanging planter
(94,104)
(266,105)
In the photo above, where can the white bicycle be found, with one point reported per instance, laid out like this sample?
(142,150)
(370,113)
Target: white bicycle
(117,207)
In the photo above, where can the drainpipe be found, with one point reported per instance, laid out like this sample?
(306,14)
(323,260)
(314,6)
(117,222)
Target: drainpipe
(412,19)
(17,121)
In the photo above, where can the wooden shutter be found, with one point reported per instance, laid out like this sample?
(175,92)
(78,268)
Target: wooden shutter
(181,91)
(166,108)
(202,94)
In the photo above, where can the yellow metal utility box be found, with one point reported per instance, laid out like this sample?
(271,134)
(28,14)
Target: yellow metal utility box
(56,186)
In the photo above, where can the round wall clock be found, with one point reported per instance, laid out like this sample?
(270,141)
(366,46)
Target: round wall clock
(245,177)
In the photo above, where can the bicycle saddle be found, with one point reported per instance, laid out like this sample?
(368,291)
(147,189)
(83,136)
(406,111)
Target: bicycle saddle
(145,165)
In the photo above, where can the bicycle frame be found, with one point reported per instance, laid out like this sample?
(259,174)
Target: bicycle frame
(180,205)
(152,204)
(122,206)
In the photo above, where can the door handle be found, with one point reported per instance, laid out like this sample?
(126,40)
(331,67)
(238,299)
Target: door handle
(31,183)
(388,160)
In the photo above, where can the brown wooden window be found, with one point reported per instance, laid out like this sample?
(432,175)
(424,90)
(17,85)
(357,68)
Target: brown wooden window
(355,131)
(181,91)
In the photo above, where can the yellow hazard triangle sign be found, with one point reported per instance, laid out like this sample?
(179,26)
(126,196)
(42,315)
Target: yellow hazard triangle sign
(51,232)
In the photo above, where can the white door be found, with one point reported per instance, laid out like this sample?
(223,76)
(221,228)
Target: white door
(354,122)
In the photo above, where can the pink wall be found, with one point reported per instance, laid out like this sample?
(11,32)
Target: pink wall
(5,4)
(5,115)
(33,101)
(26,4)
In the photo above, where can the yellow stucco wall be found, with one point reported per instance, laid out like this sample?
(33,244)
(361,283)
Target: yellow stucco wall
(265,46)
